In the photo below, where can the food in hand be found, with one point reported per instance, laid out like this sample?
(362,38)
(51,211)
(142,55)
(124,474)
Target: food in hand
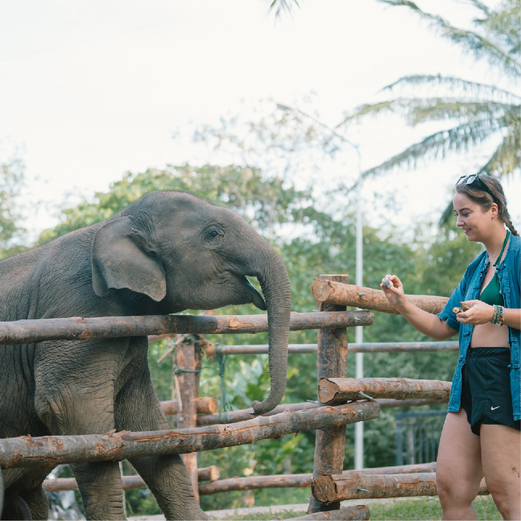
(461,309)
(387,283)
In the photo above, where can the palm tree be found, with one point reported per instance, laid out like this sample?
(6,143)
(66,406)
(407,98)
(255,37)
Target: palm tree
(279,6)
(478,112)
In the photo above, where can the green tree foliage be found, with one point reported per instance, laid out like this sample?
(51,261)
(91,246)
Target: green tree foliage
(11,182)
(267,204)
(475,113)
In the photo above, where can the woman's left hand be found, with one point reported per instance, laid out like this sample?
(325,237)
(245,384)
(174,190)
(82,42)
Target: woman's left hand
(479,313)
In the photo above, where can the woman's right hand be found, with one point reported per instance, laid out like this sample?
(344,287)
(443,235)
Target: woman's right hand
(395,293)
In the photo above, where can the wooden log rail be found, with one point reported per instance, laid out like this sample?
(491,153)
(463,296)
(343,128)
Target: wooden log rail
(364,347)
(217,486)
(332,292)
(78,328)
(245,414)
(129,482)
(204,405)
(298,480)
(45,451)
(340,390)
(331,489)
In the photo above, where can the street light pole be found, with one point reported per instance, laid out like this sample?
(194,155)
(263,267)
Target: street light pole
(359,360)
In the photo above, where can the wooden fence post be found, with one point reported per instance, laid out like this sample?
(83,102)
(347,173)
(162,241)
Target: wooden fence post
(187,368)
(331,360)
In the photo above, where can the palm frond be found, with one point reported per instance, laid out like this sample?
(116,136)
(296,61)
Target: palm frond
(507,156)
(434,146)
(375,109)
(470,112)
(505,25)
(453,82)
(280,6)
(420,110)
(484,8)
(505,159)
(479,45)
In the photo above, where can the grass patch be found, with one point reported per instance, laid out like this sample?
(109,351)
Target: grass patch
(414,510)
(428,508)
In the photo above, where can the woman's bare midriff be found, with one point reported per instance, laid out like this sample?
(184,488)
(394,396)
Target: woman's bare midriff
(489,335)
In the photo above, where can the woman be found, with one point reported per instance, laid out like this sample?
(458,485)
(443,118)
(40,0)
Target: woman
(481,435)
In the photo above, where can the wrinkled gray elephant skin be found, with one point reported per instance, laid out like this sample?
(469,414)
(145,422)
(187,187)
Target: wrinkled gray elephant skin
(165,253)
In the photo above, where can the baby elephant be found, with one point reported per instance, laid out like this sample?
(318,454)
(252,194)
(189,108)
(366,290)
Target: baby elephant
(165,253)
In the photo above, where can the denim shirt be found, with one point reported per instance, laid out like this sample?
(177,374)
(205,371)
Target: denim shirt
(509,273)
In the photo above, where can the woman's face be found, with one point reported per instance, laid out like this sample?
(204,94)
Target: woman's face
(476,224)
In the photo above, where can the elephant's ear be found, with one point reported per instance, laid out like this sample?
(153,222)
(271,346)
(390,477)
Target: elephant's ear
(119,261)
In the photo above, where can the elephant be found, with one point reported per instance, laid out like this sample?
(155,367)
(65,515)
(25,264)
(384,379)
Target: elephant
(165,253)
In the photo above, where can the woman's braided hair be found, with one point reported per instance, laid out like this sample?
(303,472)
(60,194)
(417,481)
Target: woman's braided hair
(486,199)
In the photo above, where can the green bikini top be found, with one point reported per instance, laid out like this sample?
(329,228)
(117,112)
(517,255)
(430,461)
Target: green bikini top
(491,294)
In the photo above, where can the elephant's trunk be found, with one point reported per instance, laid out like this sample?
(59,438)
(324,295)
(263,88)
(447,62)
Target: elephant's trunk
(273,277)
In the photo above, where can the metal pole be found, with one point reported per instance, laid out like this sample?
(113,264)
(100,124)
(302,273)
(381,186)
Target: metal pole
(359,361)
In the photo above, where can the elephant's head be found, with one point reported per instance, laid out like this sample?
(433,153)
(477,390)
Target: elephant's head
(180,252)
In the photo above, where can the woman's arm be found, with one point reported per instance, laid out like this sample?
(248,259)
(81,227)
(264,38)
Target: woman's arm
(427,323)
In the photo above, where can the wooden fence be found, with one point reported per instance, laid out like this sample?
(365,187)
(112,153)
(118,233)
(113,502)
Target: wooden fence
(340,401)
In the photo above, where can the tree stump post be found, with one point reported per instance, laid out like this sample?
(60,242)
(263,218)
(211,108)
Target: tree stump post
(187,369)
(331,360)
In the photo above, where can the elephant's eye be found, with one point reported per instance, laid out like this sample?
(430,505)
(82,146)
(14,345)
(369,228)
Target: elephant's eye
(214,234)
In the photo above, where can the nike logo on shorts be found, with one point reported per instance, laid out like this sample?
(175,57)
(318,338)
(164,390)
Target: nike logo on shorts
(494,408)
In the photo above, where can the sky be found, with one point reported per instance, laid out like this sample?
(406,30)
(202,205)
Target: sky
(91,90)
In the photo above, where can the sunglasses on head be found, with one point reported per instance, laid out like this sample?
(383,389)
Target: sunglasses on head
(473,179)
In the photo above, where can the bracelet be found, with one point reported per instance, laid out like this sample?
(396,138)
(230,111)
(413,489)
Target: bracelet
(501,319)
(499,315)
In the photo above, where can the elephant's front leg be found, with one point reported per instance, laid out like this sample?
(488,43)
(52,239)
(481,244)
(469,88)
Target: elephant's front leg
(75,396)
(138,409)
(168,480)
(101,489)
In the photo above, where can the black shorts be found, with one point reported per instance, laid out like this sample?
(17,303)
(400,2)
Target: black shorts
(485,393)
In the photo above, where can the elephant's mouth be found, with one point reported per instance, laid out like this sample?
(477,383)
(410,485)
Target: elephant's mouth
(257,299)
